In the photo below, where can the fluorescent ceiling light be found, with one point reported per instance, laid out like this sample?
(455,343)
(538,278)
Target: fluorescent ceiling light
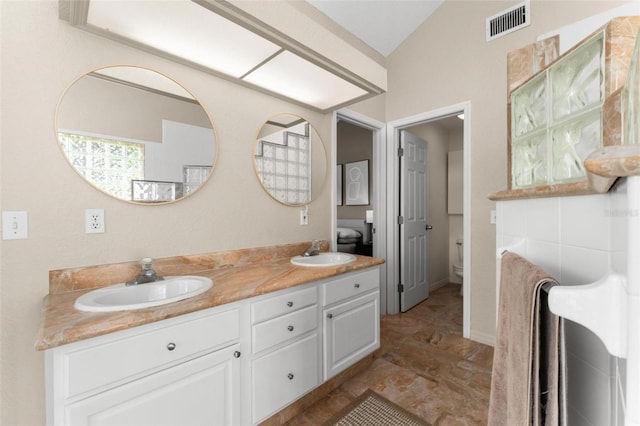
(184,29)
(299,79)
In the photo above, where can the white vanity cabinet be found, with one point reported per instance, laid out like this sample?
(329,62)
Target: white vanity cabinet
(234,364)
(179,371)
(351,316)
(286,350)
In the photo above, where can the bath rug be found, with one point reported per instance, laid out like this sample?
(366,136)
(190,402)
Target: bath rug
(371,409)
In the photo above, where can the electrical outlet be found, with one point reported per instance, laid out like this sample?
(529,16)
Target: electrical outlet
(94,221)
(14,225)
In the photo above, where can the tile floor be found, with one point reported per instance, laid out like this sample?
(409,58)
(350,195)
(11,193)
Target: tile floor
(423,365)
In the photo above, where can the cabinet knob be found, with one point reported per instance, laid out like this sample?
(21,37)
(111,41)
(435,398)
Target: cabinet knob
(290,328)
(290,376)
(357,285)
(171,346)
(237,354)
(289,304)
(329,316)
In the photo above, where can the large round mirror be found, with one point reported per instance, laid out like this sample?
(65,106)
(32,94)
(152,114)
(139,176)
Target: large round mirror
(136,135)
(290,160)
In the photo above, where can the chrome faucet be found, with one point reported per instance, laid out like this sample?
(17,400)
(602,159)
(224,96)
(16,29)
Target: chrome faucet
(147,274)
(314,250)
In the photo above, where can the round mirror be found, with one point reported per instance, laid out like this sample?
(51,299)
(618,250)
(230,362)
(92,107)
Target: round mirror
(290,160)
(136,135)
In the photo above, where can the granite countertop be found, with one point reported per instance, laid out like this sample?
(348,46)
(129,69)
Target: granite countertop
(61,323)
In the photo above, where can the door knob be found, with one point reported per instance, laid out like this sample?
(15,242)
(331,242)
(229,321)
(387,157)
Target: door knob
(429,227)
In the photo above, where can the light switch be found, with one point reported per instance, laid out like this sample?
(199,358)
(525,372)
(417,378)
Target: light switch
(14,225)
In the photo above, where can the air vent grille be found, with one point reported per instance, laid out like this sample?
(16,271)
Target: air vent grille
(508,21)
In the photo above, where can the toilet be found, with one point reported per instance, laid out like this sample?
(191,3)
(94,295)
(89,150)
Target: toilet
(458,266)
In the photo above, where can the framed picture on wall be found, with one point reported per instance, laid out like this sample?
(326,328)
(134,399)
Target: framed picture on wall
(356,183)
(339,185)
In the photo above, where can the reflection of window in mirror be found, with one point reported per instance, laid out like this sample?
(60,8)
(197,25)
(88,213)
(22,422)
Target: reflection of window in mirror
(109,164)
(283,160)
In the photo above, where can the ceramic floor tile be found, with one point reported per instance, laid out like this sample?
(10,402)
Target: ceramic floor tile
(424,365)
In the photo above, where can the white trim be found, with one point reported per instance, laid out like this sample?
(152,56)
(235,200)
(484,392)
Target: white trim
(487,339)
(393,272)
(379,186)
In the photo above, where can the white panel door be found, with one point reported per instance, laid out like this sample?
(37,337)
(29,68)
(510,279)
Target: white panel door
(413,228)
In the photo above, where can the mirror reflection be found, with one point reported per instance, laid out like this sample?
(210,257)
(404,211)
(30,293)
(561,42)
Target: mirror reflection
(136,135)
(290,159)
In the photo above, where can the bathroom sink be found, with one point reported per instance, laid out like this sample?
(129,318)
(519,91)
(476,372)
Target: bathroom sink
(323,259)
(120,297)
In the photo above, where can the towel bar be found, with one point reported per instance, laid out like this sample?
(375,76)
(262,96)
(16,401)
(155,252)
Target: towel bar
(600,307)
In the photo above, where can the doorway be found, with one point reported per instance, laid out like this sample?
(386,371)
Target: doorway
(394,257)
(369,218)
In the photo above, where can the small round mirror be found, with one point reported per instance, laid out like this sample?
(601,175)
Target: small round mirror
(290,160)
(136,135)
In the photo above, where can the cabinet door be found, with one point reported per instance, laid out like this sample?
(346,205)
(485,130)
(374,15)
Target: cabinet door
(203,391)
(284,375)
(351,331)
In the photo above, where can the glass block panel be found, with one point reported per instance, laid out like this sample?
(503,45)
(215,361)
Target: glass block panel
(109,164)
(529,161)
(282,165)
(577,81)
(631,118)
(572,142)
(528,106)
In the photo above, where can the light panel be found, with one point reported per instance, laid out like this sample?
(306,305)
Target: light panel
(299,79)
(187,31)
(184,29)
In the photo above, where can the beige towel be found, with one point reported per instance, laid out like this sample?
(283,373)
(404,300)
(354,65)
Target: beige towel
(527,381)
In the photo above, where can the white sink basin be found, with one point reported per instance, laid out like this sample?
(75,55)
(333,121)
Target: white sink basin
(324,259)
(120,297)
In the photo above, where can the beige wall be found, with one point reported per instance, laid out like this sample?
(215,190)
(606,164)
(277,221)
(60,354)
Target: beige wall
(41,56)
(447,61)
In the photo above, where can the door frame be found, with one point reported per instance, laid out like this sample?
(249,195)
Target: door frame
(379,185)
(393,204)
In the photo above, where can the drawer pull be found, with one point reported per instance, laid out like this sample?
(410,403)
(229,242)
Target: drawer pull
(171,346)
(237,354)
(290,376)
(357,285)
(290,328)
(329,316)
(289,304)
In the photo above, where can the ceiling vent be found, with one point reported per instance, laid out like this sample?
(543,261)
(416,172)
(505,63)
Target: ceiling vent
(508,21)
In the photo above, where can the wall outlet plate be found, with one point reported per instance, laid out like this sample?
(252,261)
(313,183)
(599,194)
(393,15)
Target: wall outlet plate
(94,221)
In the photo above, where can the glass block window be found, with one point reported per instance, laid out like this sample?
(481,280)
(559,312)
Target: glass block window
(110,164)
(285,168)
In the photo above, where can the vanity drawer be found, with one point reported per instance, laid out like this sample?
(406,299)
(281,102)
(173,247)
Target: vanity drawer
(349,286)
(283,304)
(115,359)
(284,375)
(283,328)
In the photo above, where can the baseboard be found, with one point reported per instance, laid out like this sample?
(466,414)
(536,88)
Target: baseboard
(436,285)
(487,339)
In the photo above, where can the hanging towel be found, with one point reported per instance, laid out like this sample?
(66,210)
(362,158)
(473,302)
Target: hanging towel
(527,384)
